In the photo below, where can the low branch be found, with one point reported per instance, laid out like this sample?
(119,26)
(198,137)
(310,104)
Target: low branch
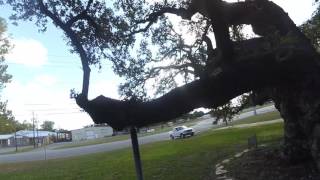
(210,49)
(153,17)
(78,17)
(209,92)
(172,67)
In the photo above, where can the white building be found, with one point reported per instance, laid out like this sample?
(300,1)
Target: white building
(41,137)
(25,137)
(91,133)
(6,140)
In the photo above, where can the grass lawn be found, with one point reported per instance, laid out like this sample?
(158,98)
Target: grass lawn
(190,159)
(20,150)
(94,141)
(258,118)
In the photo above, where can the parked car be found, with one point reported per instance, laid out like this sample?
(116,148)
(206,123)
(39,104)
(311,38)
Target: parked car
(181,132)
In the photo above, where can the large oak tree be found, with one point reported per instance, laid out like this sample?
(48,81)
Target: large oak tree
(146,47)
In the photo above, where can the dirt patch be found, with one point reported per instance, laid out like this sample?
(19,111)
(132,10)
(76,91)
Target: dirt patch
(265,163)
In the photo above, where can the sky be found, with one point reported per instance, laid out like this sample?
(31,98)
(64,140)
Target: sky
(44,71)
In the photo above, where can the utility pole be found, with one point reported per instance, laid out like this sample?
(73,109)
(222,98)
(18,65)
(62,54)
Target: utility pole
(37,134)
(254,110)
(15,139)
(34,135)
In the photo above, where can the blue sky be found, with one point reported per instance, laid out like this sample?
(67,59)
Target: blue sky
(44,71)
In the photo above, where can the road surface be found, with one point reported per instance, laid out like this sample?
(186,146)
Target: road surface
(45,153)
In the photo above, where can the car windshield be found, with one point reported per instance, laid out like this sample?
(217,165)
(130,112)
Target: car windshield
(180,128)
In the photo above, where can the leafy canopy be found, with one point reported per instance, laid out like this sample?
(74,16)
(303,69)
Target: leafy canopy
(148,47)
(47,125)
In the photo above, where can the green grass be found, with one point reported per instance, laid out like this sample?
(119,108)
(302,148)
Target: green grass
(94,141)
(190,159)
(258,118)
(20,150)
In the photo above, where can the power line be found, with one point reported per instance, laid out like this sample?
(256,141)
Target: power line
(57,113)
(55,109)
(66,113)
(51,65)
(45,104)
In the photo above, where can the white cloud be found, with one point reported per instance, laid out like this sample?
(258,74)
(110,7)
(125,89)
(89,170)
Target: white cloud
(46,80)
(29,52)
(47,104)
(298,11)
(108,88)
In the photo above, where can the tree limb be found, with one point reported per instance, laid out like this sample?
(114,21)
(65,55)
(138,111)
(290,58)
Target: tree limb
(209,92)
(172,67)
(75,42)
(153,17)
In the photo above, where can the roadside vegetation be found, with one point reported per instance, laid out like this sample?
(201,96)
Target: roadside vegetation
(93,141)
(191,158)
(258,118)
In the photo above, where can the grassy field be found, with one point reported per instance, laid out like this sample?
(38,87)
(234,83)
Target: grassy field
(258,118)
(93,141)
(20,150)
(191,158)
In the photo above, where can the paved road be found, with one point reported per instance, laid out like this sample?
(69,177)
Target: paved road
(45,153)
(206,123)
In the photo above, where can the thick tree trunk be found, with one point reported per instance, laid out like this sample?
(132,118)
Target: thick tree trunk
(299,107)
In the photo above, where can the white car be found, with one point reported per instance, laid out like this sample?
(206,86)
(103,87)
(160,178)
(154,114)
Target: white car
(181,132)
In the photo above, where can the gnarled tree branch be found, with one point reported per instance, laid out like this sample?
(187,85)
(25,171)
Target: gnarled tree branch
(247,74)
(75,41)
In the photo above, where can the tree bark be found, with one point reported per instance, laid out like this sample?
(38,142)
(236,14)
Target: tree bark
(299,106)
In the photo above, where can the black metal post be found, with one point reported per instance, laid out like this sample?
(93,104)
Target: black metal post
(136,153)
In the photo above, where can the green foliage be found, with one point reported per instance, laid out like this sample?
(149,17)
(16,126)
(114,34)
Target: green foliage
(224,113)
(229,110)
(47,125)
(4,49)
(145,51)
(23,126)
(311,28)
(7,123)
